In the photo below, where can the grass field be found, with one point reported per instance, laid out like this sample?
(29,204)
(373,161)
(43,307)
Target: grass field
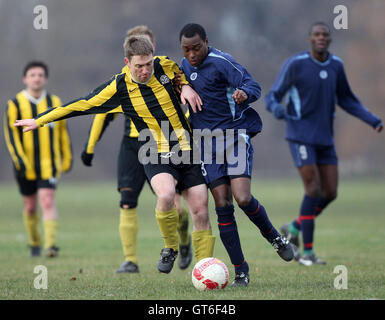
(350,232)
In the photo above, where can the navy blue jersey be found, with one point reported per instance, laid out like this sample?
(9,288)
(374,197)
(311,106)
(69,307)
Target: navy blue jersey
(215,80)
(313,89)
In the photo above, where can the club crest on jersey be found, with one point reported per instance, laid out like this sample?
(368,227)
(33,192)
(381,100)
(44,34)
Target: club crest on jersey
(323,74)
(193,76)
(164,79)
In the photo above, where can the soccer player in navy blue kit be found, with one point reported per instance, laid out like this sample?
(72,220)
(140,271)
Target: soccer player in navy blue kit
(226,90)
(314,82)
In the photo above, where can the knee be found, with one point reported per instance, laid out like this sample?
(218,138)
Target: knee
(30,209)
(166,198)
(47,202)
(243,199)
(312,188)
(128,198)
(330,195)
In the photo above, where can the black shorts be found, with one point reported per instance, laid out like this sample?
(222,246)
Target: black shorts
(186,175)
(130,170)
(30,187)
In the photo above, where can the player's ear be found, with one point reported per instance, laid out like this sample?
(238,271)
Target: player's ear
(126,61)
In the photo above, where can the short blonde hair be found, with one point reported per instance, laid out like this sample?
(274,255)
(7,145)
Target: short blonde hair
(141,30)
(137,46)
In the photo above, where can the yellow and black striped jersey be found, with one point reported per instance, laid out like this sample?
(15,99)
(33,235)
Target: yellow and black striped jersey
(153,105)
(43,153)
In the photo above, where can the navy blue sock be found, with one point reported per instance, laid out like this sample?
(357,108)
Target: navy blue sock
(307,215)
(321,205)
(257,214)
(228,232)
(297,223)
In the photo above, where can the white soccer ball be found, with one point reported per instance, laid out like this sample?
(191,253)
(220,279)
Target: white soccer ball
(209,274)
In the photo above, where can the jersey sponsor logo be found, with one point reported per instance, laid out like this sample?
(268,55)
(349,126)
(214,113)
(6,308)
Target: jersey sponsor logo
(132,90)
(323,74)
(164,79)
(193,76)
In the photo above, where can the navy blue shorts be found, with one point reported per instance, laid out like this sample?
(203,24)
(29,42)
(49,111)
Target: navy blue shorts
(305,154)
(231,158)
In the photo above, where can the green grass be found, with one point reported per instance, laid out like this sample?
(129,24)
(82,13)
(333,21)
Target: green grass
(350,232)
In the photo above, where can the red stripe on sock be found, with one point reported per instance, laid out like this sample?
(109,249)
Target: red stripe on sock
(307,217)
(308,245)
(298,220)
(255,212)
(270,231)
(225,224)
(238,265)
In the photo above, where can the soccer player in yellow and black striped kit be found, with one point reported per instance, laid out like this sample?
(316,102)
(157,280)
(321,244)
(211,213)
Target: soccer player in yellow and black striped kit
(131,179)
(39,157)
(144,91)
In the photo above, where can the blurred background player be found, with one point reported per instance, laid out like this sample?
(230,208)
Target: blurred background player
(131,179)
(226,90)
(314,81)
(38,157)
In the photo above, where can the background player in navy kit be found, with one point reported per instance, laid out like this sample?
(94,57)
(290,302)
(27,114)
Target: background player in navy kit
(314,82)
(226,90)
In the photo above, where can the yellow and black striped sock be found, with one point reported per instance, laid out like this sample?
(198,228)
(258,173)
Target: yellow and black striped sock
(128,229)
(168,222)
(203,242)
(31,222)
(183,233)
(50,230)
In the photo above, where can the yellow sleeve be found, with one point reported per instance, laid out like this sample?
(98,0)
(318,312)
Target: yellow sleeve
(100,123)
(102,100)
(64,139)
(13,139)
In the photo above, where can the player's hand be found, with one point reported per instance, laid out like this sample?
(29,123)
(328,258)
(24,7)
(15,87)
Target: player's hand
(379,128)
(239,96)
(87,158)
(177,82)
(279,112)
(189,95)
(30,124)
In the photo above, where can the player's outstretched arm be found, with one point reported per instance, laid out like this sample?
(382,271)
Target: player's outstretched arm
(189,95)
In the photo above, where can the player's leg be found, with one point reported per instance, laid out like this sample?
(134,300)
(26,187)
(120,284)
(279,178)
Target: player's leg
(131,178)
(305,158)
(312,184)
(328,171)
(46,196)
(28,190)
(185,253)
(257,214)
(163,184)
(240,170)
(228,230)
(31,223)
(203,241)
(328,185)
